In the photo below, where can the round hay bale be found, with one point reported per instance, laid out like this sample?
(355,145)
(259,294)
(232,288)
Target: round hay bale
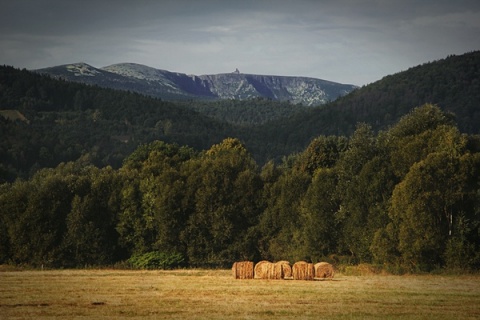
(263,269)
(243,270)
(276,271)
(302,270)
(286,269)
(268,270)
(324,270)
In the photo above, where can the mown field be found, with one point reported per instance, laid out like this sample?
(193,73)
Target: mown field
(214,294)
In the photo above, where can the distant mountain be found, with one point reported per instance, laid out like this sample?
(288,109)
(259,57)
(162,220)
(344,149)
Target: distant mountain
(178,86)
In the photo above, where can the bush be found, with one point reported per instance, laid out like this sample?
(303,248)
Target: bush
(157,260)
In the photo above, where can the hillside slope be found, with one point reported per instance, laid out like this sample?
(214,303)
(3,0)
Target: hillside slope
(452,83)
(69,120)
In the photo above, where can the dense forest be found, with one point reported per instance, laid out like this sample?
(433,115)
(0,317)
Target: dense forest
(387,175)
(407,198)
(66,121)
(453,84)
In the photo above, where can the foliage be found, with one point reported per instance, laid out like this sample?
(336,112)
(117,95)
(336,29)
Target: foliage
(225,205)
(157,260)
(406,197)
(68,121)
(250,112)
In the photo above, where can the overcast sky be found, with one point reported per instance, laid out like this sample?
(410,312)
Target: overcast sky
(347,41)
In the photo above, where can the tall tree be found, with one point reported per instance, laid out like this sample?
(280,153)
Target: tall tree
(226,185)
(322,152)
(319,224)
(280,225)
(425,206)
(416,135)
(91,237)
(153,214)
(39,225)
(354,210)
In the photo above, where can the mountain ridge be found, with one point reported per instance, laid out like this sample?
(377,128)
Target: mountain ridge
(170,85)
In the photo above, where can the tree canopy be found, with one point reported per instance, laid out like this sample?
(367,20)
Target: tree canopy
(407,198)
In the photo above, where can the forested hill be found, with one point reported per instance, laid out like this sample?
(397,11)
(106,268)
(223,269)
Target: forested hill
(452,83)
(53,121)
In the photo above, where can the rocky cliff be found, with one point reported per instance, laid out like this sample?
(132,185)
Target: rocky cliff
(173,85)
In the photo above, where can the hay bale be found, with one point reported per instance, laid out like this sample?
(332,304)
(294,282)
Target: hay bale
(262,269)
(324,270)
(243,270)
(286,269)
(276,271)
(267,270)
(303,271)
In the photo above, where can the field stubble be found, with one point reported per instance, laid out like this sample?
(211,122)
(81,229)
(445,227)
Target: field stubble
(214,294)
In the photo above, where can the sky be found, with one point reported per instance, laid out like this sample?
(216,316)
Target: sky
(347,41)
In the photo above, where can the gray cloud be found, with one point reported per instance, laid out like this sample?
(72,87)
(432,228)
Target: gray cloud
(343,40)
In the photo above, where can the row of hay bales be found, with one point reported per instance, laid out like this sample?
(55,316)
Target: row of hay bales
(300,270)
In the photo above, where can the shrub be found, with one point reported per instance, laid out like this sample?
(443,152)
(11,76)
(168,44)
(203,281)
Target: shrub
(157,260)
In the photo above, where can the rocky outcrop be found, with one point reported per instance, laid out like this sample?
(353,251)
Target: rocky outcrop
(172,85)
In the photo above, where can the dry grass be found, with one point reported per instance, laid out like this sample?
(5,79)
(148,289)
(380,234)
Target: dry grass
(214,294)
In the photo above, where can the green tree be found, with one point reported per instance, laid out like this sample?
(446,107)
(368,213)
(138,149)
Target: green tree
(163,205)
(419,133)
(319,224)
(353,174)
(424,206)
(463,246)
(153,213)
(322,152)
(425,131)
(226,188)
(280,225)
(131,225)
(91,237)
(39,222)
(13,202)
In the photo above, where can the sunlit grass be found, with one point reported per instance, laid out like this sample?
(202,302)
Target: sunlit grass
(214,294)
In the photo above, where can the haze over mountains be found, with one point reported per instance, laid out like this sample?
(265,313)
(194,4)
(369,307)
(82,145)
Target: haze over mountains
(178,86)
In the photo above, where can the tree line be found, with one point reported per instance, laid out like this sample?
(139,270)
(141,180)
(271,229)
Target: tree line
(406,198)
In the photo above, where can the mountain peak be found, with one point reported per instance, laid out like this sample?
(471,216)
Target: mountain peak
(81,69)
(174,86)
(135,70)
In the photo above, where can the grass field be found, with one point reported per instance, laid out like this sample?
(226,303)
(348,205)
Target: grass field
(214,294)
